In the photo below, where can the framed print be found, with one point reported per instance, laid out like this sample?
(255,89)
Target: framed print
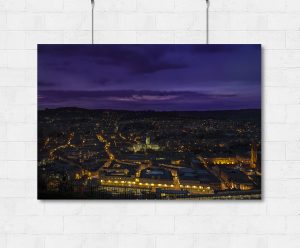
(149,122)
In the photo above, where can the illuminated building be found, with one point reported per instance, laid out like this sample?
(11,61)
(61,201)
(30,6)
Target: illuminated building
(147,146)
(235,179)
(156,177)
(252,161)
(176,162)
(225,161)
(200,180)
(148,141)
(171,194)
(53,184)
(116,175)
(253,155)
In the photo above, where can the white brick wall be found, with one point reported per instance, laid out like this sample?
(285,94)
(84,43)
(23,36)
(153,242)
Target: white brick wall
(28,223)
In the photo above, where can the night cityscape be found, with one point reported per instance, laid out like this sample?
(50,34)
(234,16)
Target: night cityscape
(149,122)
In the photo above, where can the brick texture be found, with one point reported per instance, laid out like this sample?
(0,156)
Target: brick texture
(29,223)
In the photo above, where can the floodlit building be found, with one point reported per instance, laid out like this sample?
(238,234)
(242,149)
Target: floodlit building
(253,155)
(235,178)
(144,147)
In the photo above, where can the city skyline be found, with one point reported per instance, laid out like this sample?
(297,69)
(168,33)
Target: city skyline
(149,77)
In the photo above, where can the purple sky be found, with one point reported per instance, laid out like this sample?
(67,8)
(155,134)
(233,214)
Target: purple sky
(150,77)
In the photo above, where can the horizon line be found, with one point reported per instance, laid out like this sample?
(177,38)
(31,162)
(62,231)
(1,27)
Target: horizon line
(148,110)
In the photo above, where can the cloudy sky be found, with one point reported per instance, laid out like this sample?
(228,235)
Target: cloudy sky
(149,77)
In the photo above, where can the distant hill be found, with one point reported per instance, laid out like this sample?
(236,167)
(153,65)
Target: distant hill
(69,112)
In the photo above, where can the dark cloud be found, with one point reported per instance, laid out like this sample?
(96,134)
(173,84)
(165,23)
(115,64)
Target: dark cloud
(45,84)
(150,67)
(102,81)
(219,48)
(154,76)
(134,57)
(136,60)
